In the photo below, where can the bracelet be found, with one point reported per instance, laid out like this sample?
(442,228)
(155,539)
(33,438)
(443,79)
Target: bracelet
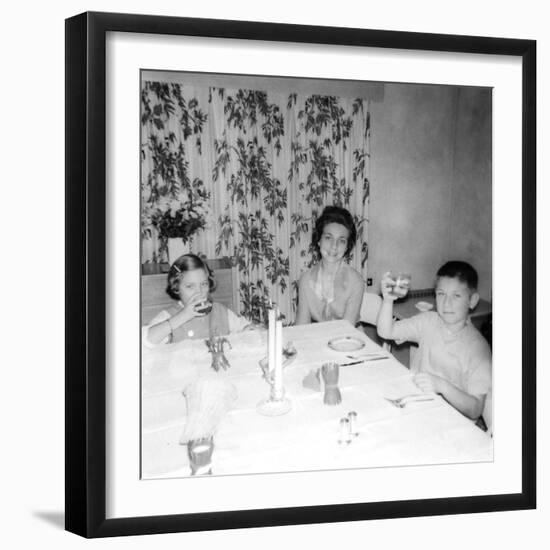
(170,325)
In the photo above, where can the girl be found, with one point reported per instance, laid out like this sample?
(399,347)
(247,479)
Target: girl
(190,282)
(331,289)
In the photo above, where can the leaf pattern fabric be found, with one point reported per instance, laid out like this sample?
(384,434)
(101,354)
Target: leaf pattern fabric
(264,164)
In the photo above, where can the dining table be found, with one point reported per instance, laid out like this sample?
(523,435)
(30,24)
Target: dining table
(308,436)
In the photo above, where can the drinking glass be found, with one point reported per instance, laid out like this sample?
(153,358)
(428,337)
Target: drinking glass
(402,284)
(205,307)
(200,455)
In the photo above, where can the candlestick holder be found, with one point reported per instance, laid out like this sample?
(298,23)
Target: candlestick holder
(276,404)
(289,354)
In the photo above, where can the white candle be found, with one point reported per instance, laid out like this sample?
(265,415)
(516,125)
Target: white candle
(278,375)
(271,340)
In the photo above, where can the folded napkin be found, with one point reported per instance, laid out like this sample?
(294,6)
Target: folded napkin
(330,372)
(208,401)
(312,381)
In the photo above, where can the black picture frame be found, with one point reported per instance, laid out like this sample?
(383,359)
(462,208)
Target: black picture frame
(85,401)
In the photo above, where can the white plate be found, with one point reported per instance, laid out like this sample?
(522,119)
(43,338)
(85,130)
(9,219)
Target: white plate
(423,306)
(346,343)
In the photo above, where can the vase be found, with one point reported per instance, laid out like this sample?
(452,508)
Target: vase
(176,248)
(150,268)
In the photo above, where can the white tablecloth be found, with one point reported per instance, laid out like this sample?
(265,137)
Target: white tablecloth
(306,438)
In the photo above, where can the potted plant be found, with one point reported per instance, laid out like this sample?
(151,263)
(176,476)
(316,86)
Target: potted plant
(173,208)
(178,219)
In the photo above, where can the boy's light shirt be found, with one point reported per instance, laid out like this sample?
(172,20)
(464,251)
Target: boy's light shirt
(462,357)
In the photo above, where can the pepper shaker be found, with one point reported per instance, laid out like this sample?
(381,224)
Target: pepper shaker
(352,417)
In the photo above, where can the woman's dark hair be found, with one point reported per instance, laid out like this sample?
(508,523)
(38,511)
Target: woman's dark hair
(462,271)
(185,263)
(335,214)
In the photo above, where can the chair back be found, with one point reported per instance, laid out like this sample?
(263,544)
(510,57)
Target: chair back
(370,307)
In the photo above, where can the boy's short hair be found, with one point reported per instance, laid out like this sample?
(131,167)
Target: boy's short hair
(187,262)
(462,271)
(335,214)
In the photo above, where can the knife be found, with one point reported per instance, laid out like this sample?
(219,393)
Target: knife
(364,361)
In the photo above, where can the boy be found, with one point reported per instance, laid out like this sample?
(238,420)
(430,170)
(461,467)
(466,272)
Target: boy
(453,358)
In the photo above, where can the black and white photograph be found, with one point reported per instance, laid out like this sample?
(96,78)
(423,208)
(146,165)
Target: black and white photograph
(301,263)
(316,274)
(274,275)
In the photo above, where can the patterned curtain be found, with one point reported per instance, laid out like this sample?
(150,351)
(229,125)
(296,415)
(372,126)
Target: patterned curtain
(249,171)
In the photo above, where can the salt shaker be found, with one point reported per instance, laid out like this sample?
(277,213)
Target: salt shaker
(352,417)
(345,436)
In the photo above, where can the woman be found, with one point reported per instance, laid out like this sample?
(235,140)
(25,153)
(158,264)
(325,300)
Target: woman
(331,289)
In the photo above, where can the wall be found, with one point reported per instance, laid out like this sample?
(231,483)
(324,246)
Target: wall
(431,169)
(430,181)
(471,213)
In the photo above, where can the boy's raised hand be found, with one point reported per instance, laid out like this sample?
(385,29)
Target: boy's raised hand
(387,284)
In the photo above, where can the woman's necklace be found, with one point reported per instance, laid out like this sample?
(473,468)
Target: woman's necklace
(327,282)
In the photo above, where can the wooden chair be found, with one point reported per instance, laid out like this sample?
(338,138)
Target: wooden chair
(370,306)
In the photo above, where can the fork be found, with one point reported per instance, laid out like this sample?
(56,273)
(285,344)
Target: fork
(400,402)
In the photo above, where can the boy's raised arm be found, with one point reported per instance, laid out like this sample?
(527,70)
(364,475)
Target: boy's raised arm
(385,321)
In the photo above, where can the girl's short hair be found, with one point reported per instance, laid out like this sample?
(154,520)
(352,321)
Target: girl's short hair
(185,263)
(335,214)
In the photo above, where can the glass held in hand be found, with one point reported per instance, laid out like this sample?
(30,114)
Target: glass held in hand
(200,452)
(204,307)
(401,284)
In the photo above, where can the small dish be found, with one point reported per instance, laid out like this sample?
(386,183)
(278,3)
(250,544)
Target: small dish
(423,306)
(346,343)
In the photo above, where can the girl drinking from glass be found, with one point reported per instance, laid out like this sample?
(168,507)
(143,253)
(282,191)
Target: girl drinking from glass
(193,314)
